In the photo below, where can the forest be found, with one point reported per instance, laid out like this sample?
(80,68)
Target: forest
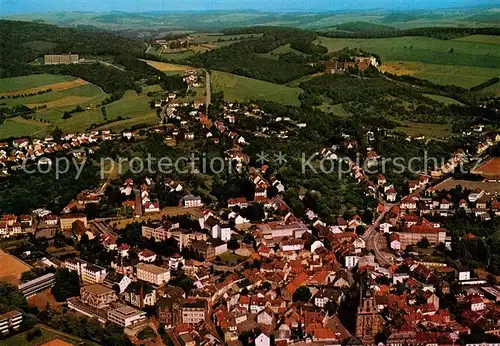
(245,58)
(368,30)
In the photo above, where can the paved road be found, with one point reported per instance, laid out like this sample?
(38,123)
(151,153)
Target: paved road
(208,90)
(372,236)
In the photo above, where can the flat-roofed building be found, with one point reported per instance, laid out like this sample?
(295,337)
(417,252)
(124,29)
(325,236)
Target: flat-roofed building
(10,320)
(88,272)
(97,296)
(159,233)
(126,315)
(152,273)
(194,311)
(92,273)
(60,59)
(40,284)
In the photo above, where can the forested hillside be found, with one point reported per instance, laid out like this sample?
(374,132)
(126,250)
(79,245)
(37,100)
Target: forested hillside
(246,58)
(21,43)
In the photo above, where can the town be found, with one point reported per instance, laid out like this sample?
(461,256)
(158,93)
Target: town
(250,178)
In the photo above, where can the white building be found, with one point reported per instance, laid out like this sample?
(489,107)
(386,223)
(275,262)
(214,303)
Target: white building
(10,321)
(86,271)
(152,274)
(191,201)
(125,316)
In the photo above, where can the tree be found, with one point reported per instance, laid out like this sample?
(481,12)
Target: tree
(302,294)
(423,243)
(11,298)
(67,285)
(360,230)
(233,244)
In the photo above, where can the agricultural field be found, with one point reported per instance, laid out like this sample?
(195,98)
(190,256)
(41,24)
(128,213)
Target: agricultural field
(238,88)
(166,67)
(68,92)
(465,62)
(20,85)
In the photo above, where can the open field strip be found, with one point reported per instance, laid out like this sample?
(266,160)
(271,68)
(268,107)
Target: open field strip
(14,128)
(65,101)
(12,84)
(54,86)
(464,76)
(163,66)
(425,129)
(238,88)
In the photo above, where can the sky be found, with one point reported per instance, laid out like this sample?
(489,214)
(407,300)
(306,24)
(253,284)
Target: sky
(33,6)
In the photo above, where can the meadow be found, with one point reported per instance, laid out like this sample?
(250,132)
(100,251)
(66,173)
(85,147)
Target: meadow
(238,88)
(466,62)
(52,106)
(425,129)
(11,85)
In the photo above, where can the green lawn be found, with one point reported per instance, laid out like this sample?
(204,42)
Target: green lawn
(31,81)
(238,88)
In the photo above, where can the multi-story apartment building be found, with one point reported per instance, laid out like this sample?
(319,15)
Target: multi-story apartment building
(10,320)
(60,59)
(40,284)
(194,311)
(153,274)
(160,233)
(88,272)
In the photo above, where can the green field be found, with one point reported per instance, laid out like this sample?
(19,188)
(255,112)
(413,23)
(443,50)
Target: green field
(87,96)
(14,127)
(238,88)
(275,53)
(425,129)
(443,99)
(465,62)
(32,81)
(337,109)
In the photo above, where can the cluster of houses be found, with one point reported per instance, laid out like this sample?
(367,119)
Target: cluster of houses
(22,150)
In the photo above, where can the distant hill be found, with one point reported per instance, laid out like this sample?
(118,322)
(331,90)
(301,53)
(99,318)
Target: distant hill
(154,23)
(364,27)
